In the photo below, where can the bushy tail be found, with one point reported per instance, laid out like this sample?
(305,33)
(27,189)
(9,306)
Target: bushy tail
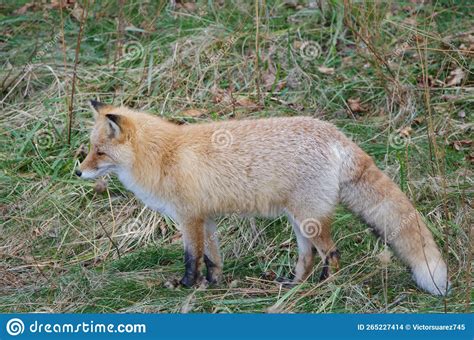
(377,199)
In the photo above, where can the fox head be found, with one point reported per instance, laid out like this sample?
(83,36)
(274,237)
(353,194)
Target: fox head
(110,142)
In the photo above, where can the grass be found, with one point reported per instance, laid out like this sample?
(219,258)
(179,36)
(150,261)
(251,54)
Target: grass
(67,247)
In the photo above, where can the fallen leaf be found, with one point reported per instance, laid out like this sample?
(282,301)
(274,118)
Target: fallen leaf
(268,78)
(355,105)
(467,44)
(56,4)
(76,12)
(245,102)
(347,61)
(469,50)
(100,186)
(176,238)
(280,85)
(269,275)
(225,97)
(291,3)
(220,95)
(470,158)
(459,144)
(286,244)
(406,131)
(430,82)
(23,9)
(455,77)
(189,6)
(152,283)
(163,229)
(296,106)
(418,120)
(4,210)
(411,21)
(193,113)
(326,70)
(297,44)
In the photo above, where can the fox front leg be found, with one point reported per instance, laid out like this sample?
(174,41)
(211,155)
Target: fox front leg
(193,237)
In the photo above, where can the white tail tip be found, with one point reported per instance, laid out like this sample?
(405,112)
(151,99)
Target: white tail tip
(432,276)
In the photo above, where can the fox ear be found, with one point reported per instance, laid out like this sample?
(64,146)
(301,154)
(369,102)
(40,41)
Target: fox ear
(114,122)
(96,107)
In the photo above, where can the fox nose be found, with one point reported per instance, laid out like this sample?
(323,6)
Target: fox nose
(78,173)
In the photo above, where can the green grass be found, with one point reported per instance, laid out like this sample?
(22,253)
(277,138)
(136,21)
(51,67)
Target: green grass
(56,252)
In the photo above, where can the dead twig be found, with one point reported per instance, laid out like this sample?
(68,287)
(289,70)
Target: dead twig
(111,240)
(74,72)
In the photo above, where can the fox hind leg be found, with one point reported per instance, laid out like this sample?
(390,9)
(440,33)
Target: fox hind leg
(317,231)
(212,256)
(326,248)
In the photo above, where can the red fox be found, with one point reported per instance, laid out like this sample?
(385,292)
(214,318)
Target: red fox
(300,167)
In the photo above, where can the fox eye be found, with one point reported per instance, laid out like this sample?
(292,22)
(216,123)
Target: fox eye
(100,153)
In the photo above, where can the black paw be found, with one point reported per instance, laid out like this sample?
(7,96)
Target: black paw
(213,272)
(188,281)
(331,265)
(324,273)
(286,282)
(212,280)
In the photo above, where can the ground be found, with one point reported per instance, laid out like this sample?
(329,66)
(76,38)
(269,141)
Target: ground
(395,76)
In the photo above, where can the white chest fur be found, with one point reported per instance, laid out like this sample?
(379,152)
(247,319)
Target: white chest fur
(150,199)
